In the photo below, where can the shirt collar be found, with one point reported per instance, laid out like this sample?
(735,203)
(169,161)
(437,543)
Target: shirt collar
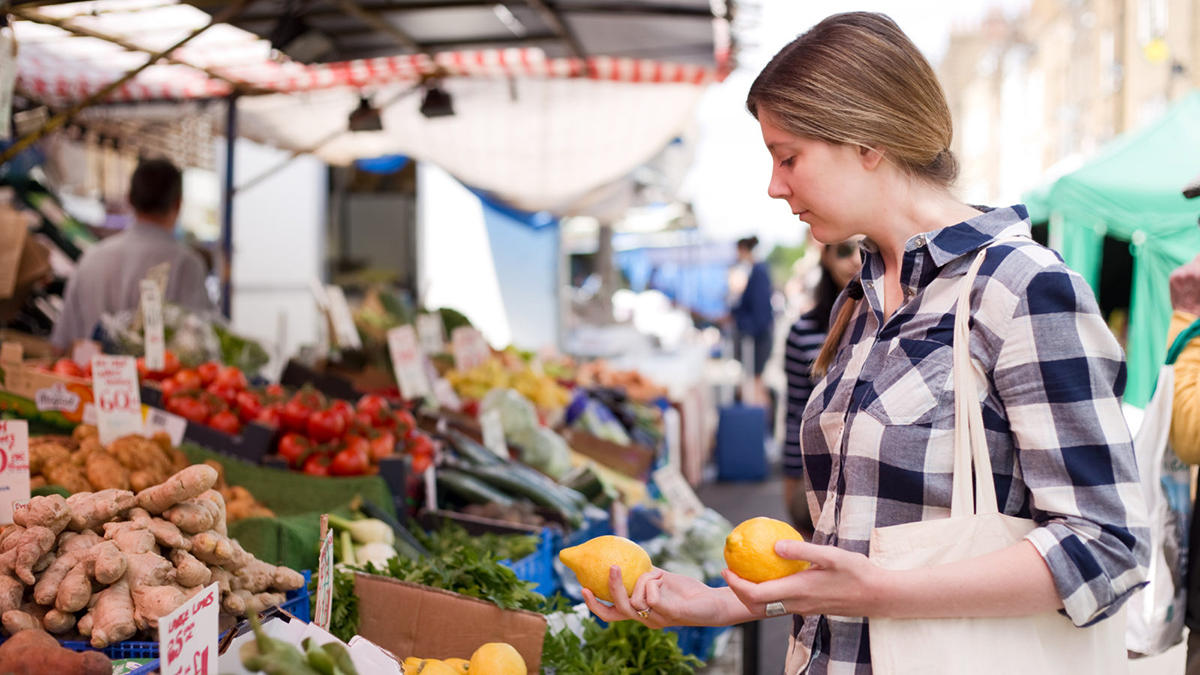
(950,243)
(144,228)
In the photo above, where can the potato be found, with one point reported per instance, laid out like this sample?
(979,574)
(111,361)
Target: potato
(33,652)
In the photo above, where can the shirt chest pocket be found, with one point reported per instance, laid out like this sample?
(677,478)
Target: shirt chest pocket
(912,387)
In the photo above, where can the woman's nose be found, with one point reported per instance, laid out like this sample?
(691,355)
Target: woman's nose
(777,188)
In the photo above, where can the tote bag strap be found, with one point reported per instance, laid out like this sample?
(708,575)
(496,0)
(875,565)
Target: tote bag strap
(1187,335)
(970,439)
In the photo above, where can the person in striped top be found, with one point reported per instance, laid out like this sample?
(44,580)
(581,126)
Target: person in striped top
(839,263)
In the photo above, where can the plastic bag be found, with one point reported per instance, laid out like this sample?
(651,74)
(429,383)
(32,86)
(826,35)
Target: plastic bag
(1156,611)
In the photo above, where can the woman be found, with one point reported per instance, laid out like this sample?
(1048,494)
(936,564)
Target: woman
(753,316)
(839,263)
(859,130)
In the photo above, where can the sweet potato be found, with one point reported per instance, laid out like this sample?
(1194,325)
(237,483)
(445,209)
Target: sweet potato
(35,652)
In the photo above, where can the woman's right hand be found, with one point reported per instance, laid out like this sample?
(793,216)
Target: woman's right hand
(672,600)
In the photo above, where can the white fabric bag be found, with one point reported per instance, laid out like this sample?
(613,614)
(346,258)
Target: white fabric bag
(1047,643)
(1156,612)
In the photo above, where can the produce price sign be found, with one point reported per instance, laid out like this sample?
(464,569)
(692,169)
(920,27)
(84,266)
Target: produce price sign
(156,341)
(408,363)
(432,332)
(344,329)
(118,399)
(14,467)
(493,433)
(324,610)
(470,349)
(161,420)
(188,636)
(682,501)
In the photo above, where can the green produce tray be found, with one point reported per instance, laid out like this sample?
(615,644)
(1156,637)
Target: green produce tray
(293,537)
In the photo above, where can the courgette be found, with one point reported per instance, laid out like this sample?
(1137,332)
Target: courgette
(471,451)
(471,489)
(503,478)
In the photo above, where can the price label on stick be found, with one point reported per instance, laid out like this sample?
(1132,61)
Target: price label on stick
(161,420)
(14,467)
(118,399)
(187,637)
(493,433)
(432,332)
(343,321)
(324,609)
(155,335)
(682,501)
(470,349)
(408,363)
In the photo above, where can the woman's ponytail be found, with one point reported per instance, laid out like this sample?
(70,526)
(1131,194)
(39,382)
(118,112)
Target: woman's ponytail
(837,330)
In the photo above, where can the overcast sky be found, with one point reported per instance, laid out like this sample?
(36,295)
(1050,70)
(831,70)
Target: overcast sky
(728,181)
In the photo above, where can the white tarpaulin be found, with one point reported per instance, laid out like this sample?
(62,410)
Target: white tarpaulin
(555,140)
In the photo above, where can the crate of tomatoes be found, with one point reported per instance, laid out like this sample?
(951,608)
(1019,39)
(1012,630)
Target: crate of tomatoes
(323,438)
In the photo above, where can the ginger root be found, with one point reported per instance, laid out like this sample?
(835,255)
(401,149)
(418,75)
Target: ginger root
(113,614)
(29,548)
(57,622)
(67,475)
(105,471)
(50,512)
(11,592)
(75,590)
(189,571)
(193,516)
(15,621)
(90,510)
(168,535)
(189,483)
(217,549)
(106,563)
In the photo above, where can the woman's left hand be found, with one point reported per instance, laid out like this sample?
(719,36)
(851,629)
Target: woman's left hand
(838,583)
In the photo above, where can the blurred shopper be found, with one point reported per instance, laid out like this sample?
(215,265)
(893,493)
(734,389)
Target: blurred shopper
(859,134)
(107,280)
(1185,427)
(838,263)
(754,315)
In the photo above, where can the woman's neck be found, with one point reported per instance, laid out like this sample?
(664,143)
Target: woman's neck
(926,209)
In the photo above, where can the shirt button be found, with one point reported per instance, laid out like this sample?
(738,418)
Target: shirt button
(921,240)
(910,292)
(871,285)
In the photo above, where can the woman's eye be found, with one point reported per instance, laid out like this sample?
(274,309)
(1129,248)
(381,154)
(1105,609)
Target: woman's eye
(788,162)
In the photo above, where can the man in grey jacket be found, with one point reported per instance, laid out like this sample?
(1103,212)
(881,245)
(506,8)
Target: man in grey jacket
(108,276)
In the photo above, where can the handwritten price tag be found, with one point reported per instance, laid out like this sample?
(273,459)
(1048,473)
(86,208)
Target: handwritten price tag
(682,501)
(188,636)
(344,329)
(408,363)
(493,433)
(470,349)
(118,399)
(325,583)
(432,332)
(156,342)
(160,420)
(14,467)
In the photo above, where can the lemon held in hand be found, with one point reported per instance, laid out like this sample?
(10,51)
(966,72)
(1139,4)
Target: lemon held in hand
(750,550)
(592,559)
(496,658)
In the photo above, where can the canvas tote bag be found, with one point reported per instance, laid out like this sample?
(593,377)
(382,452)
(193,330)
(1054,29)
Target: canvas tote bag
(1031,645)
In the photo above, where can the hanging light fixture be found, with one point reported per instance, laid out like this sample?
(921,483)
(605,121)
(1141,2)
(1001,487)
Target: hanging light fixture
(366,117)
(294,37)
(437,101)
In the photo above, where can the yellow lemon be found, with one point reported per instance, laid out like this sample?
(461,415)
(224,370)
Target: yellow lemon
(435,667)
(750,550)
(591,560)
(460,665)
(413,665)
(497,658)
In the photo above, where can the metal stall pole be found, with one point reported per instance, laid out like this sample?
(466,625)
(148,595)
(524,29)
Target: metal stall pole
(227,194)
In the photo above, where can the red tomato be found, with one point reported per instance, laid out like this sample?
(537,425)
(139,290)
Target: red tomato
(276,391)
(420,444)
(189,407)
(249,405)
(270,415)
(345,411)
(325,425)
(362,419)
(406,426)
(208,372)
(170,367)
(232,378)
(376,407)
(188,379)
(295,415)
(382,445)
(227,422)
(293,447)
(421,462)
(170,387)
(316,465)
(67,367)
(353,461)
(226,394)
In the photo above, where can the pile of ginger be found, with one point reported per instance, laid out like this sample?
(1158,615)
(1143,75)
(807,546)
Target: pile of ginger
(109,564)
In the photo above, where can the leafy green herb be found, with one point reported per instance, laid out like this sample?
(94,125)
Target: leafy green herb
(343,615)
(453,536)
(467,572)
(621,648)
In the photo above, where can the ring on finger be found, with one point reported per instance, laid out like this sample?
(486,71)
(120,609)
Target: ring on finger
(644,613)
(776,609)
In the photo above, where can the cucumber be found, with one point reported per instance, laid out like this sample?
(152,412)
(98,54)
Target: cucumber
(503,478)
(471,489)
(471,451)
(538,478)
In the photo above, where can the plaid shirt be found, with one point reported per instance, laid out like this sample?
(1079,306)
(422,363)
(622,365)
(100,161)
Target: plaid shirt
(877,434)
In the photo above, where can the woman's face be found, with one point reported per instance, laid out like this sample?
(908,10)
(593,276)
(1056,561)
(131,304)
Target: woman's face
(826,185)
(843,260)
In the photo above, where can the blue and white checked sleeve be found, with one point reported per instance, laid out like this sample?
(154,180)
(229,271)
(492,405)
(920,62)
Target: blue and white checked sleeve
(1060,375)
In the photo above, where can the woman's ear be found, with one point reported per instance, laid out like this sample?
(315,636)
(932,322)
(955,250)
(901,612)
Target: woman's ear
(870,157)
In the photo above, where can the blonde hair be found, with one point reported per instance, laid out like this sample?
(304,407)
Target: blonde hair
(856,79)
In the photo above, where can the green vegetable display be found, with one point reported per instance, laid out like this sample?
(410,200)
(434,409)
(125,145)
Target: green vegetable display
(621,648)
(277,657)
(453,536)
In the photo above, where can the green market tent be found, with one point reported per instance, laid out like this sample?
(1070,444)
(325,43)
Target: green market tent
(1131,191)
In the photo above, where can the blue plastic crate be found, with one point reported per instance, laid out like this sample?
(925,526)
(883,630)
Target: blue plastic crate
(592,528)
(147,669)
(698,641)
(538,567)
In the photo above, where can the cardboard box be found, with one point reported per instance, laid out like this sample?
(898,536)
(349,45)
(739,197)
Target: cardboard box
(632,460)
(412,620)
(51,392)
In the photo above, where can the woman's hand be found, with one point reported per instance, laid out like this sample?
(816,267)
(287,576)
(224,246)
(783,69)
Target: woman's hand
(672,600)
(839,583)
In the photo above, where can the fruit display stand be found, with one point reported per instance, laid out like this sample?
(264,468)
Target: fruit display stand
(292,537)
(53,398)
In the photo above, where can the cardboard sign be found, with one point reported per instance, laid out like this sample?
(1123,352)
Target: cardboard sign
(173,426)
(470,349)
(682,501)
(323,612)
(408,363)
(118,398)
(155,335)
(493,433)
(57,397)
(187,637)
(432,332)
(14,467)
(443,392)
(344,330)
